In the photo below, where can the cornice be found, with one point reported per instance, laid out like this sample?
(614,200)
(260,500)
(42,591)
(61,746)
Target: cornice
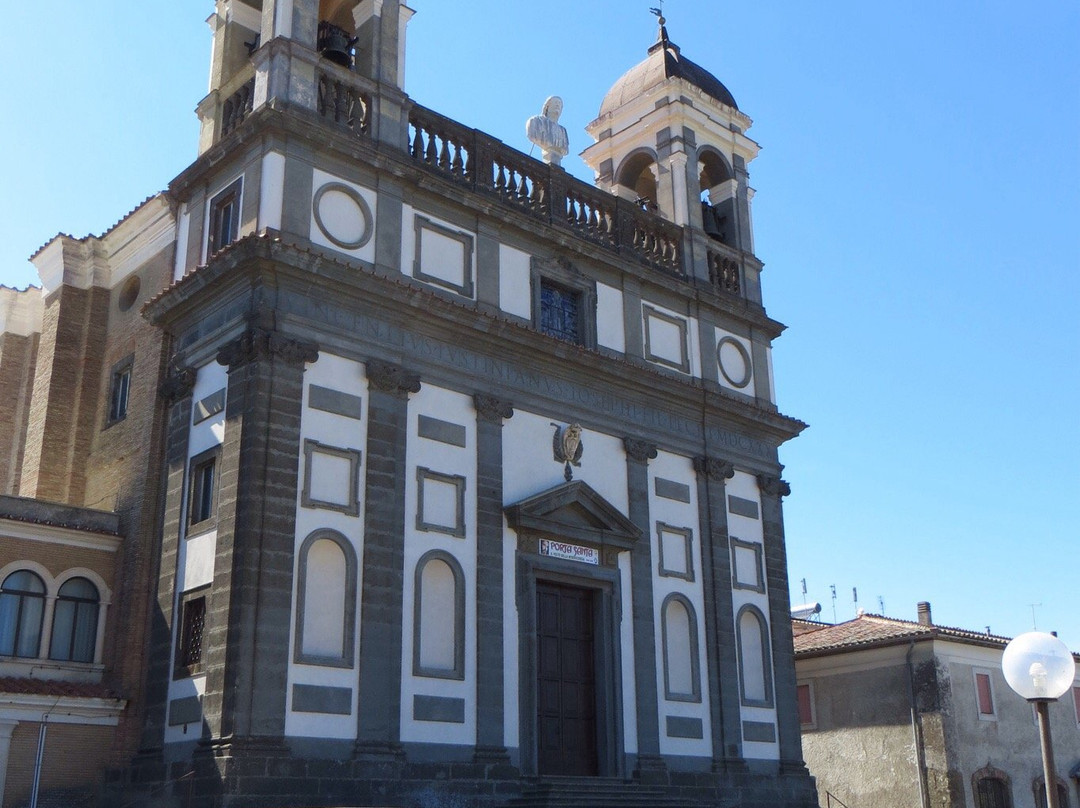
(265,260)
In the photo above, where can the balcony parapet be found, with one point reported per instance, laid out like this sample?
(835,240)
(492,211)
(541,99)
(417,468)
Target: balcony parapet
(545,192)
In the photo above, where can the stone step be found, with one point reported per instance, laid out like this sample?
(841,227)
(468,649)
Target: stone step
(595,792)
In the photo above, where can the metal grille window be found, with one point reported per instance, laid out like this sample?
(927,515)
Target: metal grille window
(190,654)
(560,312)
(22,609)
(991,792)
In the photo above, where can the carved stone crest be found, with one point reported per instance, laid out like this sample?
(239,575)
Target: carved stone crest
(567,447)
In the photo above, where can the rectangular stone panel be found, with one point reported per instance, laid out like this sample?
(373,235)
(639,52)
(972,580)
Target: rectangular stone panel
(742,507)
(319,699)
(439,708)
(185,711)
(336,402)
(441,431)
(759,731)
(209,406)
(669,489)
(681,727)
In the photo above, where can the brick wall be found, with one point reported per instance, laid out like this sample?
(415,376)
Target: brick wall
(17,357)
(57,558)
(91,746)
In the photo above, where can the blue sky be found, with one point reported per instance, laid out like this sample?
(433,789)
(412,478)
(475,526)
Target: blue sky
(918,212)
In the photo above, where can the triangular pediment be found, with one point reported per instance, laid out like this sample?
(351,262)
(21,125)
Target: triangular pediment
(574,511)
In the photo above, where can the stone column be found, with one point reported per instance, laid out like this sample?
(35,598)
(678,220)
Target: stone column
(249,612)
(175,393)
(773,489)
(720,622)
(490,721)
(650,766)
(378,735)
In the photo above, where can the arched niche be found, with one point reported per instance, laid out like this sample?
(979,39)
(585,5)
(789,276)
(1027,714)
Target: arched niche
(718,196)
(637,174)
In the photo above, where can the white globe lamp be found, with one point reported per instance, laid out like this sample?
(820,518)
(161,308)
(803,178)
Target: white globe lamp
(1040,668)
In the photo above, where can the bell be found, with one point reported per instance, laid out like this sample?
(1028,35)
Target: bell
(710,222)
(335,44)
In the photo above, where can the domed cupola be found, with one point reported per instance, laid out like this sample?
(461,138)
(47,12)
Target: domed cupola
(671,138)
(665,61)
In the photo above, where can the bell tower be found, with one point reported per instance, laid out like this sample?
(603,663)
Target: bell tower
(671,138)
(275,51)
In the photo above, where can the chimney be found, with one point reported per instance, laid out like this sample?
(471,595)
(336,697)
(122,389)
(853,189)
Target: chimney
(924,613)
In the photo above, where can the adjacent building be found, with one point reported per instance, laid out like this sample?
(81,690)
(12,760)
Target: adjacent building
(902,713)
(407,469)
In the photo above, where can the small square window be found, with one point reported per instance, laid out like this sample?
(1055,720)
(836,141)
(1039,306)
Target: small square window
(984,695)
(189,652)
(120,391)
(563,302)
(560,312)
(224,225)
(202,490)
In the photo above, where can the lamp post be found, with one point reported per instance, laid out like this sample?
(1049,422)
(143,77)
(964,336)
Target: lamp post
(1040,668)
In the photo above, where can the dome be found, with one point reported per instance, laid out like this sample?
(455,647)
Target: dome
(664,62)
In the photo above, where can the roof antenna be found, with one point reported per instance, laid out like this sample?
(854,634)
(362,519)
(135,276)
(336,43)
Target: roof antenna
(881,604)
(832,588)
(1034,626)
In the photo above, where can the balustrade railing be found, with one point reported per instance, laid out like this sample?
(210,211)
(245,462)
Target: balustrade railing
(237,107)
(550,194)
(344,99)
(724,272)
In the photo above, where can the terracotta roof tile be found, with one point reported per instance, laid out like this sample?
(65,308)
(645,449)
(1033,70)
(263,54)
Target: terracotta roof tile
(10,685)
(871,630)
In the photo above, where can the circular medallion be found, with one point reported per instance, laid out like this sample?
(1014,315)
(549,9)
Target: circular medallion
(342,215)
(734,362)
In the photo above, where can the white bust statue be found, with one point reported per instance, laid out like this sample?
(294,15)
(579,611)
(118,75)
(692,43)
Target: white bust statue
(544,131)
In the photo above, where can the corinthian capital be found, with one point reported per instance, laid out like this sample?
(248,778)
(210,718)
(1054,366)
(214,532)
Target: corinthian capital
(390,378)
(773,486)
(640,450)
(492,409)
(258,344)
(714,468)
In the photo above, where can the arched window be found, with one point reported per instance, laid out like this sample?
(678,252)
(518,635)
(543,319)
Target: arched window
(991,787)
(682,679)
(439,617)
(75,620)
(326,600)
(22,608)
(1040,793)
(755,666)
(638,174)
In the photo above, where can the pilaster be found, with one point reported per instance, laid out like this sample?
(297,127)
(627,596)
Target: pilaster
(650,765)
(773,489)
(250,605)
(378,736)
(490,721)
(720,644)
(175,394)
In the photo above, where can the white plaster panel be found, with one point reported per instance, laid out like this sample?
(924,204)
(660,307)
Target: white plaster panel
(666,339)
(682,515)
(747,568)
(446,405)
(331,478)
(325,593)
(437,647)
(735,366)
(183,230)
(343,217)
(610,324)
(772,381)
(527,438)
(271,190)
(198,556)
(442,255)
(346,376)
(209,433)
(515,282)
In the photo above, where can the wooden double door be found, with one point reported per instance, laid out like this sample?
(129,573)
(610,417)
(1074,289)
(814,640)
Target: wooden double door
(566,681)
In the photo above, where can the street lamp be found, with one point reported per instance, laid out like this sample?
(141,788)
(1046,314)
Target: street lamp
(1040,668)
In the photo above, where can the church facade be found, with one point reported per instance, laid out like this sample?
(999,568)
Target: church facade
(461,474)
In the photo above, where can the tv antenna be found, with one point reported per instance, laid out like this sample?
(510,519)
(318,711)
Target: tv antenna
(832,588)
(1034,626)
(804,588)
(881,604)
